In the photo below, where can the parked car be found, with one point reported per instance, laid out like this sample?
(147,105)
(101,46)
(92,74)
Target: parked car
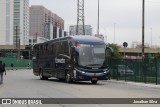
(122,70)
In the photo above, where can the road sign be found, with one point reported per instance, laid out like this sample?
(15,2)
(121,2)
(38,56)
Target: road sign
(125,44)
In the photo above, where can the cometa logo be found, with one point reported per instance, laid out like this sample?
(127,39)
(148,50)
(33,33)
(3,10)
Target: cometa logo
(59,60)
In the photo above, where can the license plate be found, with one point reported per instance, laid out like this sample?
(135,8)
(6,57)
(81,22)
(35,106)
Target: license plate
(94,78)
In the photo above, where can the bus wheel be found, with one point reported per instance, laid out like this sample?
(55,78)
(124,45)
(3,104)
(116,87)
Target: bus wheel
(61,79)
(68,78)
(94,81)
(42,77)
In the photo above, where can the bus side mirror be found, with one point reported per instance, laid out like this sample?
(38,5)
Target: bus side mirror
(109,52)
(74,51)
(65,56)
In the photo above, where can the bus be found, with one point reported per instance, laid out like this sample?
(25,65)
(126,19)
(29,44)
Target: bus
(72,58)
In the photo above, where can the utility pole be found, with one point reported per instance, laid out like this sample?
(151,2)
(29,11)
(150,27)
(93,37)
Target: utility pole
(16,38)
(36,36)
(151,37)
(114,32)
(143,22)
(98,20)
(80,17)
(17,43)
(19,46)
(30,48)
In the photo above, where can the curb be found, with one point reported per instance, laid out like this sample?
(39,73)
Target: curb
(135,83)
(17,68)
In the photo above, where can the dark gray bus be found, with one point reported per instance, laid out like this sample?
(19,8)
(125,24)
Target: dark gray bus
(74,58)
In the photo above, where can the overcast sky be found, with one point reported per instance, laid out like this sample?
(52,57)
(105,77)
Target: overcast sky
(125,14)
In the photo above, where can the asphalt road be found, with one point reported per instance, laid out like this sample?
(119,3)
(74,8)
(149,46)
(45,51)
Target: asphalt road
(23,84)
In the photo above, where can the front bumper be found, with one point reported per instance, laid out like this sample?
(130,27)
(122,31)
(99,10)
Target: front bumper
(84,75)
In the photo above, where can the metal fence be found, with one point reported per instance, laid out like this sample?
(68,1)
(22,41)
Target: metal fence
(147,70)
(20,63)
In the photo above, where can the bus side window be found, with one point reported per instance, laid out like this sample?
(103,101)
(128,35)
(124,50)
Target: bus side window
(37,49)
(70,44)
(37,55)
(49,49)
(62,48)
(48,64)
(46,49)
(53,50)
(66,49)
(56,49)
(41,49)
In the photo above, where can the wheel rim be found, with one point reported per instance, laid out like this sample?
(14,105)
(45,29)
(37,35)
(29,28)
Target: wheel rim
(94,81)
(68,78)
(40,75)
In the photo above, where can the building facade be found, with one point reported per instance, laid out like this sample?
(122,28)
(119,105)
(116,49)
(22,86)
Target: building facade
(44,23)
(88,30)
(14,14)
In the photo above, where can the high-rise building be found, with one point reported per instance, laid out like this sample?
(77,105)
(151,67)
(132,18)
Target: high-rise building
(14,14)
(6,22)
(88,30)
(44,23)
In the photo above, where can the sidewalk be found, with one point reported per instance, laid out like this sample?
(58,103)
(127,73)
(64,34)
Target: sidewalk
(135,83)
(16,68)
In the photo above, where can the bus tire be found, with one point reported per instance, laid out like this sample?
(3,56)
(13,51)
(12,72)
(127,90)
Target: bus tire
(94,81)
(42,77)
(61,79)
(68,78)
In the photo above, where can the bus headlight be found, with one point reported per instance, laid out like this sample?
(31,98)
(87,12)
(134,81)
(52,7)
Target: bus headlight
(106,71)
(83,72)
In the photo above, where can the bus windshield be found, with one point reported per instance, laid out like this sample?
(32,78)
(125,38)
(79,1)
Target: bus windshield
(91,55)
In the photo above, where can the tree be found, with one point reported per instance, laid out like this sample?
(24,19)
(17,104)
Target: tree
(158,55)
(115,47)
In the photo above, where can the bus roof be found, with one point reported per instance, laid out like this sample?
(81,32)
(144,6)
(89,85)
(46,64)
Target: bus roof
(80,39)
(87,39)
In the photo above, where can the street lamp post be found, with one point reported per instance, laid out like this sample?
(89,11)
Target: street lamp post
(114,32)
(29,55)
(151,37)
(143,21)
(29,58)
(98,20)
